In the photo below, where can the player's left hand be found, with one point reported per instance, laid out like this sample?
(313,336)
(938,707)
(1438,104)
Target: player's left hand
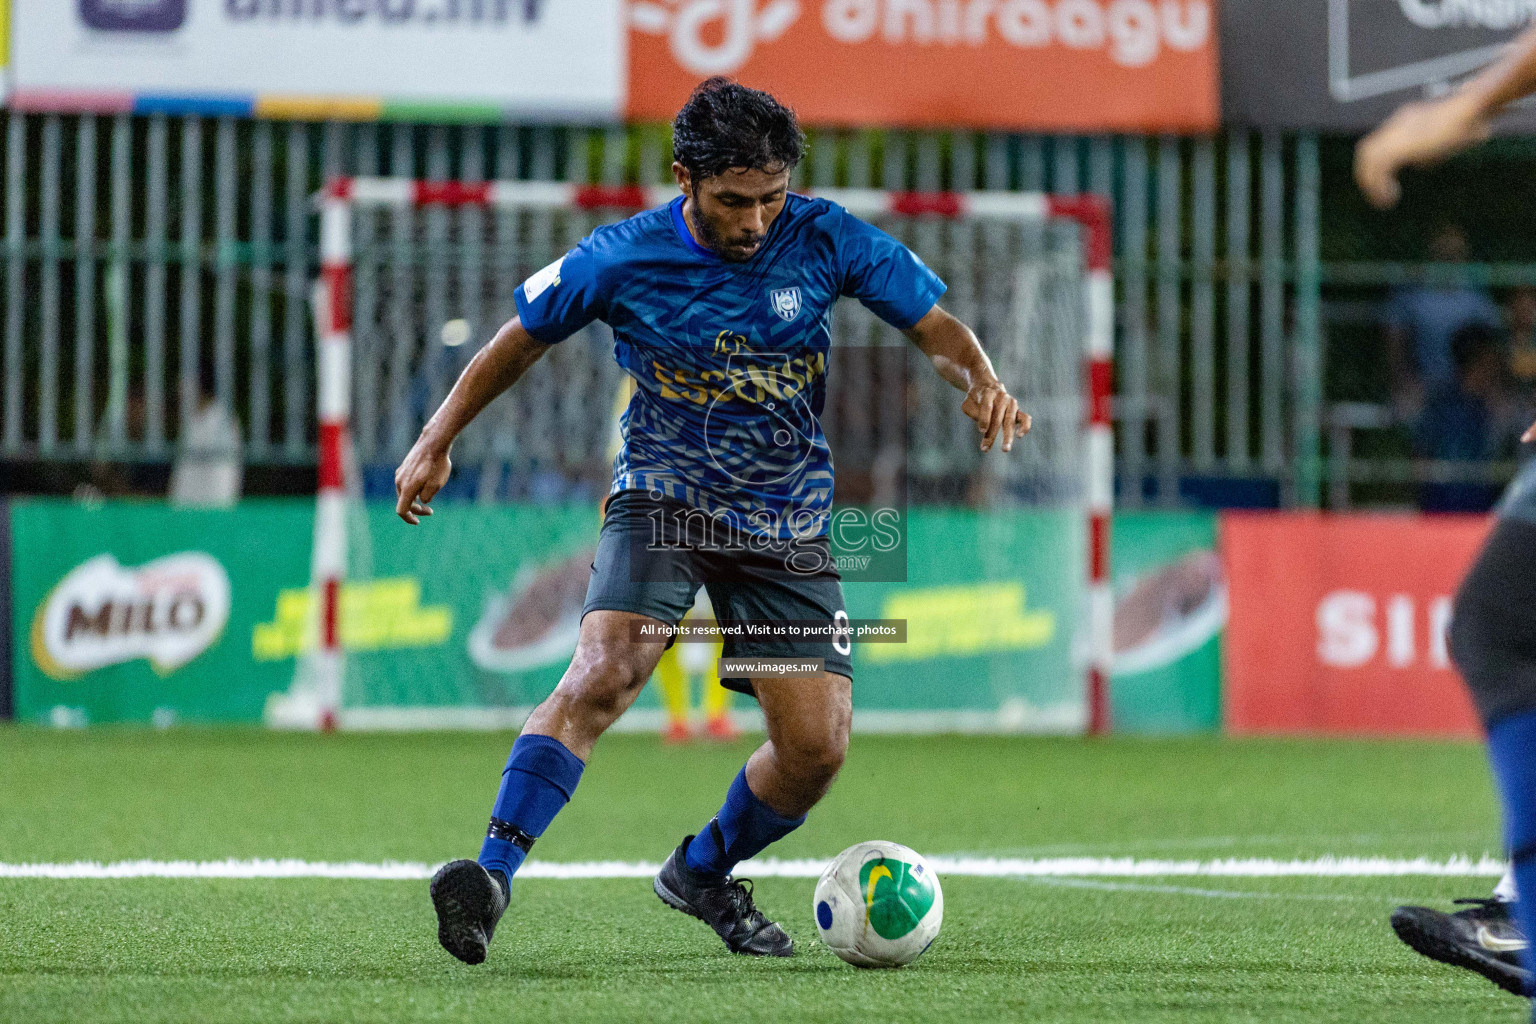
(1529,435)
(995,412)
(1416,135)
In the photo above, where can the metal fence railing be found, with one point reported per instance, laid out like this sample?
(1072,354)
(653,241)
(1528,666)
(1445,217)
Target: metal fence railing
(151,259)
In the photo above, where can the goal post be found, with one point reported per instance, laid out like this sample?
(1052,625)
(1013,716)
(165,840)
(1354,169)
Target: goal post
(416,300)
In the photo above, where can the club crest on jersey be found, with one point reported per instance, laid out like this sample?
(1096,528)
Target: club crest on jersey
(786,302)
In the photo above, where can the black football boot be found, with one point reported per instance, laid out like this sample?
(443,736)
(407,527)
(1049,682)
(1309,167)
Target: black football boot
(469,901)
(723,904)
(1483,938)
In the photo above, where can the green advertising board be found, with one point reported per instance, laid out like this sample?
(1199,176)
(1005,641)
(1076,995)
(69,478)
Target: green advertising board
(127,612)
(1170,611)
(105,599)
(992,613)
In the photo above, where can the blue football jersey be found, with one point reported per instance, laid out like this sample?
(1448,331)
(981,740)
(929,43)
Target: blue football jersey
(730,359)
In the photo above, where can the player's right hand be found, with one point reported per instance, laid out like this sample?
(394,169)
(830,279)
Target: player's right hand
(996,411)
(1416,135)
(419,478)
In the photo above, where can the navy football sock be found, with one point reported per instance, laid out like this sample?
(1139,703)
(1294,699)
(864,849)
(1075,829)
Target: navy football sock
(1512,752)
(540,776)
(743,828)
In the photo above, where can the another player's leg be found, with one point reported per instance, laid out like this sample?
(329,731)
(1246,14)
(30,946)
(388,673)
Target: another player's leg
(1483,937)
(1507,891)
(716,700)
(1493,642)
(808,722)
(673,681)
(604,677)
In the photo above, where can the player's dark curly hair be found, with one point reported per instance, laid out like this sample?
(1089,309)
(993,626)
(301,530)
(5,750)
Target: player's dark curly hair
(725,124)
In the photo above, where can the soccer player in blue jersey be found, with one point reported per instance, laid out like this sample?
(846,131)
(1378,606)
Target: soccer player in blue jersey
(720,305)
(1493,626)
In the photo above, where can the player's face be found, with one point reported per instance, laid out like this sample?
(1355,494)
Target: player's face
(732,212)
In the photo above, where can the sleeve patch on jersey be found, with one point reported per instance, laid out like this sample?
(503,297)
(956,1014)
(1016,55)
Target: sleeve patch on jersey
(542,281)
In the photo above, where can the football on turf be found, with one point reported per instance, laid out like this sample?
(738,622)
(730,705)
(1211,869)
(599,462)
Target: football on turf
(878,904)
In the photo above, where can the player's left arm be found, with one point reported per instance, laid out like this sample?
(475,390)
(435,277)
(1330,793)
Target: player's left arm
(959,359)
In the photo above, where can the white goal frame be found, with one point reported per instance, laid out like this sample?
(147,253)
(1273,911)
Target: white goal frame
(334,354)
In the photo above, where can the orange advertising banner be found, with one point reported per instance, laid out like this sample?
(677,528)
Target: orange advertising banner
(1032,65)
(1338,623)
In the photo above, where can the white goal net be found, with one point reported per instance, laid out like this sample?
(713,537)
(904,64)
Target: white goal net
(1002,560)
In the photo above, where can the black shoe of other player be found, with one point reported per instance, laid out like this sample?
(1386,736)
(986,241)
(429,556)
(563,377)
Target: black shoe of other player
(469,901)
(725,906)
(1482,938)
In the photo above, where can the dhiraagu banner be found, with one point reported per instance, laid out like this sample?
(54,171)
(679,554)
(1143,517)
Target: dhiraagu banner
(128,612)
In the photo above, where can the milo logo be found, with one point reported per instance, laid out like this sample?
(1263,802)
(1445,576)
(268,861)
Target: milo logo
(897,895)
(102,613)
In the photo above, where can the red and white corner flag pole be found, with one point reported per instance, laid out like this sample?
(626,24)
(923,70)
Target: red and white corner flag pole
(328,568)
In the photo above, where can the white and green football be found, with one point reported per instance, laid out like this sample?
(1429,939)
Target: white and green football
(878,904)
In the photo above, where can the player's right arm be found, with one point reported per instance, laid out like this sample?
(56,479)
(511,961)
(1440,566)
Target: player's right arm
(1425,133)
(552,305)
(494,369)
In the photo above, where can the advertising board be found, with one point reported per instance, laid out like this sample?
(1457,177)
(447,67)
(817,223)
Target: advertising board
(1338,623)
(1344,65)
(460,59)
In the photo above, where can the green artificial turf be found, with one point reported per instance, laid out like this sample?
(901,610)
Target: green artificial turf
(1174,949)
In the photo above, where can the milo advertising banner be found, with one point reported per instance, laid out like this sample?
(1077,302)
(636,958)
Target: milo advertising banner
(141,613)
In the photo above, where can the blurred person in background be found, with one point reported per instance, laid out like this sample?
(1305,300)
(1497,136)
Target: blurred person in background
(1493,626)
(1422,319)
(108,478)
(680,664)
(1466,421)
(208,469)
(1521,317)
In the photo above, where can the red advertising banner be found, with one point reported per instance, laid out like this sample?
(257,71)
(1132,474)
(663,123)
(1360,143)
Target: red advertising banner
(1338,623)
(1037,65)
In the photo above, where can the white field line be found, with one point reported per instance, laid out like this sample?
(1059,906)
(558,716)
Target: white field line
(979,867)
(1225,894)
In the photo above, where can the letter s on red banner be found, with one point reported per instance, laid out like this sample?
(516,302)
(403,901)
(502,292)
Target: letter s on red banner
(1338,623)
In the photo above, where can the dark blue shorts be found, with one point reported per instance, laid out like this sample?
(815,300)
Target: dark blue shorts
(758,582)
(1493,631)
